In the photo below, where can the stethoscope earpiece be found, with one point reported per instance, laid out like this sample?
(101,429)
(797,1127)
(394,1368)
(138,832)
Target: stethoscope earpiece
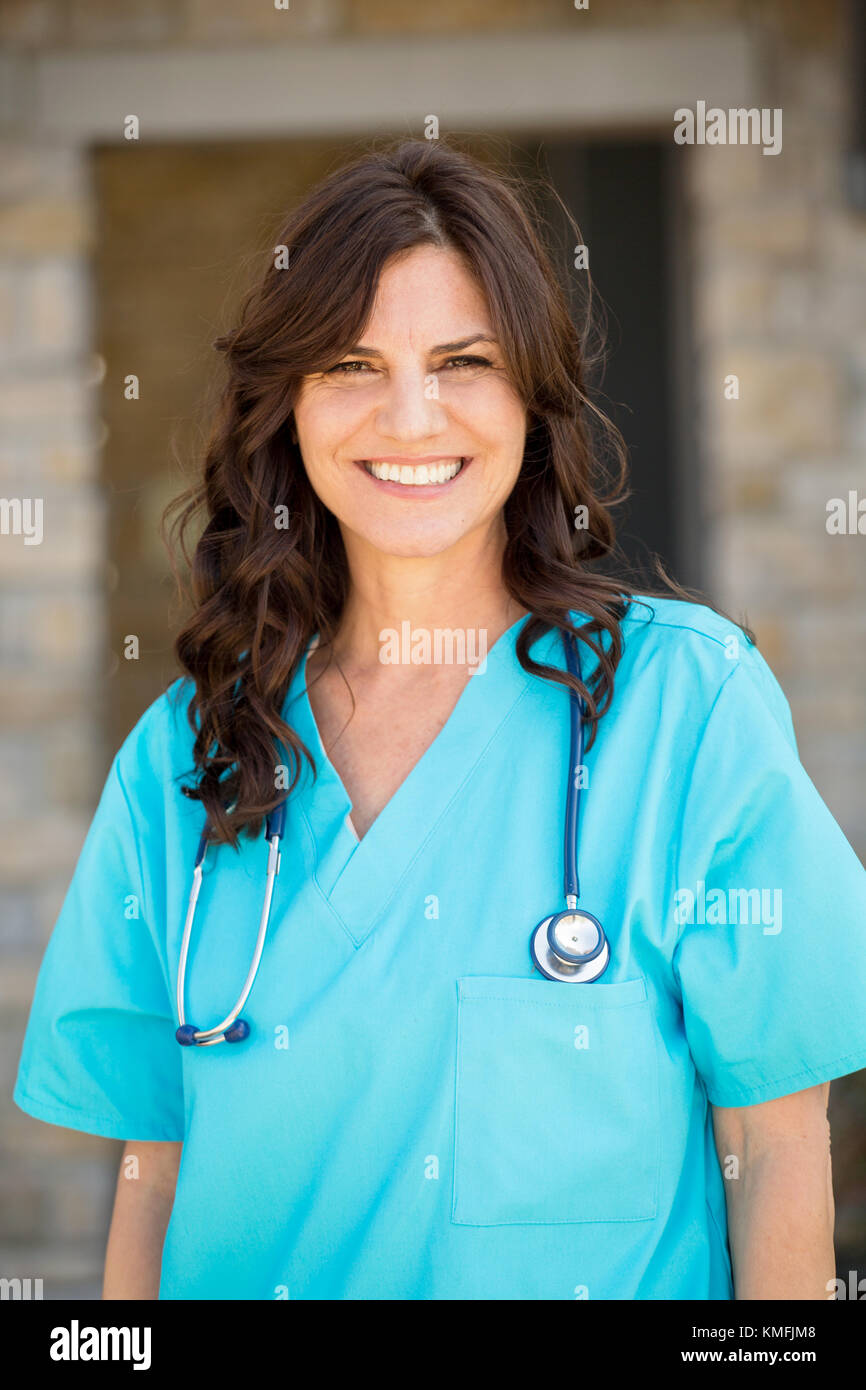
(187,1034)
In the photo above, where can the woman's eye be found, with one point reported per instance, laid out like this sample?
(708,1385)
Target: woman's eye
(460,362)
(345,368)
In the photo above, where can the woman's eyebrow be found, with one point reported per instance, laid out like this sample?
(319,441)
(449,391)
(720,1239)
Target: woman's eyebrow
(360,351)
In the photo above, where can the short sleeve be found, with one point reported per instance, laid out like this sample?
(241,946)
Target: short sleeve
(770,907)
(99,1053)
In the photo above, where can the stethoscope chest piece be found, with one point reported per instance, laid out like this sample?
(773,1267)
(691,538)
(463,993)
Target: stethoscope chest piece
(570,946)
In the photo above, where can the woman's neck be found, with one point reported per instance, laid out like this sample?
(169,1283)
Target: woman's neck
(396,595)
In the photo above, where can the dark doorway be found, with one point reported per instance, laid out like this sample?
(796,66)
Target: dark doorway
(626,202)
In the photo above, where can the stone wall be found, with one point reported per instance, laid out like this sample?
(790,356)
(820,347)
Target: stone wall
(52,665)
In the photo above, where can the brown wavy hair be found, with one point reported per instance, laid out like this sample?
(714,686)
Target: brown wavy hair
(259,593)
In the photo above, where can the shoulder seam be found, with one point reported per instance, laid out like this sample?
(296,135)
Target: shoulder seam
(688,627)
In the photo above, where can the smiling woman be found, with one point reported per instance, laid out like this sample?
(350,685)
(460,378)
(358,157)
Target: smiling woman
(443,1088)
(424,354)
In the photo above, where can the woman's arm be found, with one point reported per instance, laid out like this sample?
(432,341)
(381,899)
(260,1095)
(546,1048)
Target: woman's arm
(142,1207)
(780,1207)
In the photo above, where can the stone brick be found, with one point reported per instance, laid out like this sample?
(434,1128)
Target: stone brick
(72,536)
(43,314)
(736,178)
(463,16)
(33,1141)
(733,303)
(45,226)
(31,23)
(771,636)
(754,491)
(30,696)
(33,466)
(70,461)
(67,1273)
(785,563)
(789,403)
(103,22)
(48,396)
(31,167)
(81,1203)
(840,305)
(17,975)
(9,307)
(809,485)
(58,294)
(22,1210)
(220,21)
(778,231)
(842,709)
(841,240)
(797,308)
(21,766)
(22,853)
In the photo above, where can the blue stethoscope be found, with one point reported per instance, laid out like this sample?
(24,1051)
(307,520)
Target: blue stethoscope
(569,946)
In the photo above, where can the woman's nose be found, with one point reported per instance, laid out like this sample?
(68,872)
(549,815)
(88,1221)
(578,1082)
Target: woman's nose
(411,407)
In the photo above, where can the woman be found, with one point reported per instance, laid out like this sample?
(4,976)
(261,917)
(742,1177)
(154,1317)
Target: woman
(405,468)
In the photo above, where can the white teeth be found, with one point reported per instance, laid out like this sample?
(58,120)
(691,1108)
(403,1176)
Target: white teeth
(414,477)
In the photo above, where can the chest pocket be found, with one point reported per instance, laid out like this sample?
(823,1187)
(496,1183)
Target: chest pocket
(557,1107)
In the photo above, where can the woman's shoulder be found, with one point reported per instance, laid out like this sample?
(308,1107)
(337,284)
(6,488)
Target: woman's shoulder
(698,657)
(158,748)
(681,623)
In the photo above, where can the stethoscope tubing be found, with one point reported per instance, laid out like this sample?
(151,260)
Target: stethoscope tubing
(207,1037)
(572,799)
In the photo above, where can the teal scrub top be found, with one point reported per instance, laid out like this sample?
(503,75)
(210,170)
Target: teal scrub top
(417,1113)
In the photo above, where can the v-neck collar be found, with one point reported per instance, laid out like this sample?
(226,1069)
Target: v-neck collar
(358,879)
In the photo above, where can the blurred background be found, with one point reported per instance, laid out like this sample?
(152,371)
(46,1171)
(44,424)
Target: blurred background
(124,256)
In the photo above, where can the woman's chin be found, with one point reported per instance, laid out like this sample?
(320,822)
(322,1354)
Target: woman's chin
(418,542)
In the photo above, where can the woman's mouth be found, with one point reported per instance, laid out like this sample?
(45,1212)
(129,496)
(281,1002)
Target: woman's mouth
(429,473)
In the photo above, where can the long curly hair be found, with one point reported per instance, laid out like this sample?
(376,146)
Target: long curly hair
(261,591)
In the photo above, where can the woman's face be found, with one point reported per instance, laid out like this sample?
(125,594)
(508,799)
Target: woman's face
(415,439)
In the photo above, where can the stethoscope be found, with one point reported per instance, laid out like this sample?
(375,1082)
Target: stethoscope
(569,946)
(232,1029)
